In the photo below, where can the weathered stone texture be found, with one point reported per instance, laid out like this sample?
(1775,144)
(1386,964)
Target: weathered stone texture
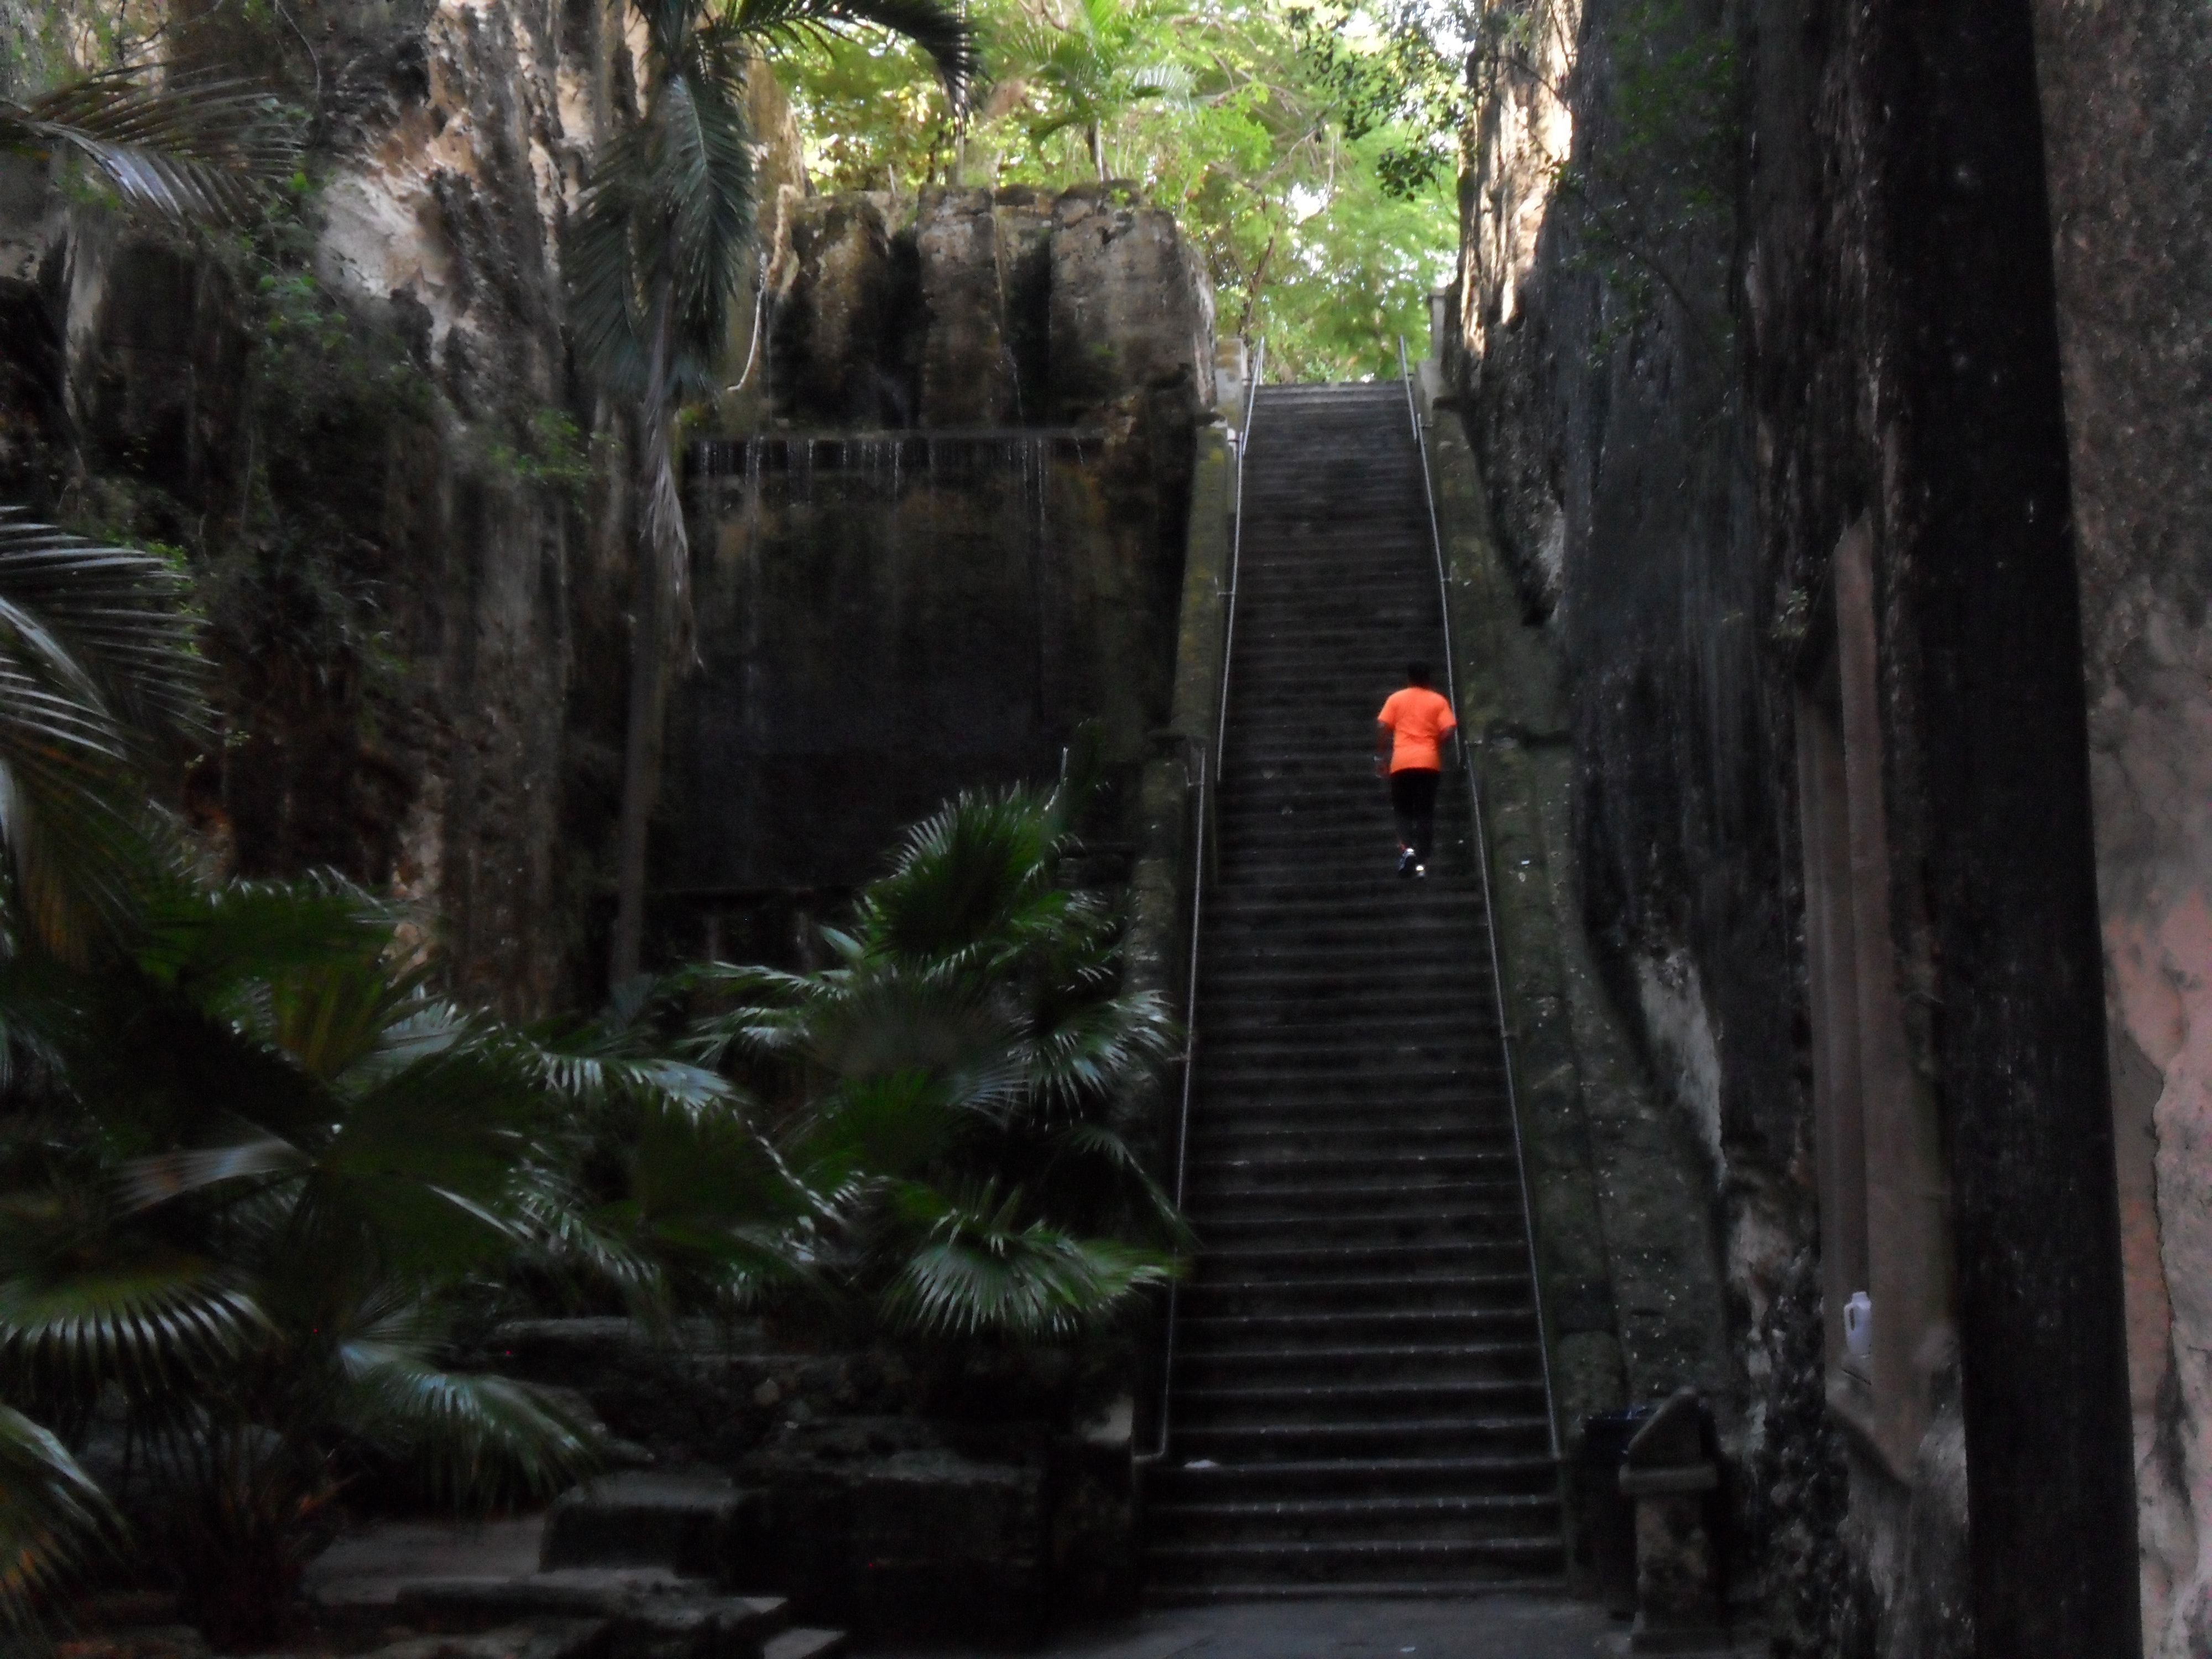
(1682,398)
(401,498)
(1131,308)
(2127,105)
(968,374)
(834,317)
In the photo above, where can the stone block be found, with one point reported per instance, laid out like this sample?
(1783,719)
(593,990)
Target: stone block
(968,376)
(877,1523)
(1131,308)
(834,303)
(688,1522)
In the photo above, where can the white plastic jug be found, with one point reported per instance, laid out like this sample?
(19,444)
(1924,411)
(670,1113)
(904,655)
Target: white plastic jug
(1858,1327)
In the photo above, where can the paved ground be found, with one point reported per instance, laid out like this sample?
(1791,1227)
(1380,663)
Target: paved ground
(1490,1627)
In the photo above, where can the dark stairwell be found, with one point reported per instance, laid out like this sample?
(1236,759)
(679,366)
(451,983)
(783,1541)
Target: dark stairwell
(1359,1398)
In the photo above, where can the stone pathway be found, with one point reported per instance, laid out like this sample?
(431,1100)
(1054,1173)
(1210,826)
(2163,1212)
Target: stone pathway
(1487,1627)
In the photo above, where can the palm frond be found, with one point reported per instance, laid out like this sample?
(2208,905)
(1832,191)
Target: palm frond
(186,150)
(52,1516)
(110,619)
(479,1441)
(209,941)
(980,1270)
(938,29)
(94,649)
(138,1314)
(1093,1050)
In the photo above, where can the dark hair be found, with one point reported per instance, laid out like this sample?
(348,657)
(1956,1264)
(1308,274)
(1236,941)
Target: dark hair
(1417,673)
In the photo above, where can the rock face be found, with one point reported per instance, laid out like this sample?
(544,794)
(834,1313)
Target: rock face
(968,372)
(834,318)
(2127,115)
(891,615)
(368,433)
(1786,474)
(1131,308)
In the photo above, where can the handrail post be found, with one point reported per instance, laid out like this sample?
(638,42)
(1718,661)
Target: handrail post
(1489,910)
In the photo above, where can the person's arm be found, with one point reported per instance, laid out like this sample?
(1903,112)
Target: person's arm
(1386,738)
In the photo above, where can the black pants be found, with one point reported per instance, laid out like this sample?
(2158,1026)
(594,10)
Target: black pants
(1413,798)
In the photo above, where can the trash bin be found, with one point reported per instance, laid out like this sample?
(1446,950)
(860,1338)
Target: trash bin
(1609,1520)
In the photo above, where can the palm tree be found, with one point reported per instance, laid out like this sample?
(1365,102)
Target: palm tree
(188,151)
(254,1174)
(657,257)
(952,1087)
(1105,58)
(96,655)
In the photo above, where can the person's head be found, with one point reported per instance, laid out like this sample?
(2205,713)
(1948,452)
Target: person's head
(1417,673)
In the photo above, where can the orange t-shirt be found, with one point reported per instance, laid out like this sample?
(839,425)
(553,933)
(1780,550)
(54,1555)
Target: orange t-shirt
(1419,717)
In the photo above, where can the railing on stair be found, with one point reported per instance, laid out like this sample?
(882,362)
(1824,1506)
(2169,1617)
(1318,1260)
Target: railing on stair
(1208,772)
(1235,563)
(1481,850)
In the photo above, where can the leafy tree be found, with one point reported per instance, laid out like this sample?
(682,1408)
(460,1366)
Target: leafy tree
(656,258)
(1325,219)
(1108,57)
(950,1087)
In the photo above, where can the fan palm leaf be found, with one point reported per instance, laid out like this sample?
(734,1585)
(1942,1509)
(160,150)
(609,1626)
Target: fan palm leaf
(96,649)
(52,1515)
(188,151)
(980,1269)
(477,1440)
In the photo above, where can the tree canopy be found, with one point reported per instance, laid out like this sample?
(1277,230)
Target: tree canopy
(1310,148)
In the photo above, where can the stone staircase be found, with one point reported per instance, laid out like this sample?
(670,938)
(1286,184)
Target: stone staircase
(1359,1401)
(634,1565)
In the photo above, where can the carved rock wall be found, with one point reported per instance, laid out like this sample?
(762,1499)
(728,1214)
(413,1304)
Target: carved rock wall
(1681,401)
(409,511)
(2127,99)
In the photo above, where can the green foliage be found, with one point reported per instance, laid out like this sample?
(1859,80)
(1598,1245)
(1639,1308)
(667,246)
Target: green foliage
(1104,59)
(257,1173)
(188,152)
(1400,76)
(550,450)
(96,650)
(950,1087)
(1320,197)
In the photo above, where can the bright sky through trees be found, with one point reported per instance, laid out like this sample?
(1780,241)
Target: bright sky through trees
(1309,147)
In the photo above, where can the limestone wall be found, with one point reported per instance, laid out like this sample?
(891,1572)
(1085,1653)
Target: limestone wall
(1758,342)
(953,543)
(2127,101)
(408,512)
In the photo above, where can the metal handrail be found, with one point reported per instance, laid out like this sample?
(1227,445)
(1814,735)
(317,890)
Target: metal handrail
(1236,554)
(1489,911)
(1206,772)
(1183,1118)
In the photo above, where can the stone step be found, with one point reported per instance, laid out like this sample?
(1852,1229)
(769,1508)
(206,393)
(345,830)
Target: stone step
(1290,1481)
(1402,1362)
(691,1523)
(1289,1404)
(1339,1561)
(652,1611)
(1413,1515)
(1359,1398)
(803,1643)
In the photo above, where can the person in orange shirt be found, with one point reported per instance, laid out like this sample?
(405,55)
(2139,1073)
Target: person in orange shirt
(1408,731)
